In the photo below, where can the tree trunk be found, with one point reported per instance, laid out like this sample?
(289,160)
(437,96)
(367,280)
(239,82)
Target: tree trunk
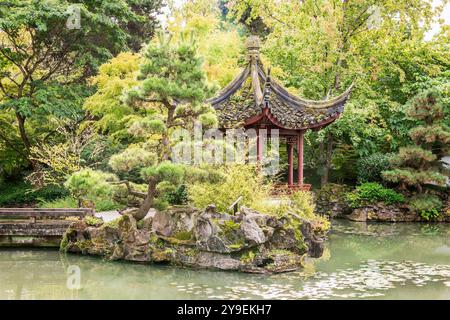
(23,134)
(26,142)
(328,158)
(165,152)
(419,188)
(148,201)
(321,158)
(165,137)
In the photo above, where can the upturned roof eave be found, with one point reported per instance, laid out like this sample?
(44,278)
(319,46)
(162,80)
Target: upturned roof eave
(267,115)
(265,92)
(276,87)
(231,88)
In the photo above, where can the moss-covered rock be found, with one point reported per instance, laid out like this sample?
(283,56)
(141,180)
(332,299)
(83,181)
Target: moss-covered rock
(380,212)
(248,241)
(93,221)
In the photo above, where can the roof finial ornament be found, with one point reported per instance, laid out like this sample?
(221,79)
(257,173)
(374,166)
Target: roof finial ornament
(253,45)
(267,88)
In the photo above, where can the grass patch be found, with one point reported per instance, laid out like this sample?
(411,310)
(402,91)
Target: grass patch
(66,202)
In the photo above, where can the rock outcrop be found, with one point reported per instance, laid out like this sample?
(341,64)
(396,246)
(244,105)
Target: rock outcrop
(381,212)
(331,201)
(247,241)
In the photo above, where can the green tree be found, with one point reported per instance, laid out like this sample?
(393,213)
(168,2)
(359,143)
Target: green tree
(416,165)
(168,95)
(322,46)
(108,111)
(219,42)
(174,85)
(43,63)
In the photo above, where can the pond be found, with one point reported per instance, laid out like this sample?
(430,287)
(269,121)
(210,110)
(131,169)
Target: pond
(361,261)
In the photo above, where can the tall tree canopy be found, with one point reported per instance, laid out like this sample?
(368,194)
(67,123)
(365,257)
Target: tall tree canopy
(168,94)
(322,46)
(44,60)
(219,42)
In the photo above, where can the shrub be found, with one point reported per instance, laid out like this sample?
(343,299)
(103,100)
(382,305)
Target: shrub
(371,192)
(302,203)
(235,181)
(21,193)
(427,206)
(430,214)
(179,196)
(90,185)
(66,202)
(70,202)
(246,181)
(414,165)
(331,199)
(93,221)
(106,204)
(369,168)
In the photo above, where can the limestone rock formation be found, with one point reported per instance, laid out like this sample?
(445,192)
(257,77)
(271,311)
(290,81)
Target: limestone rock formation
(247,241)
(381,212)
(331,201)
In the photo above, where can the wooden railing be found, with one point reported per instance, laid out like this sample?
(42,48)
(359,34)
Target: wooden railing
(235,205)
(279,189)
(37,227)
(43,213)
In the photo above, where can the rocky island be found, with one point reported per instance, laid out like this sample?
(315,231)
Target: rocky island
(248,241)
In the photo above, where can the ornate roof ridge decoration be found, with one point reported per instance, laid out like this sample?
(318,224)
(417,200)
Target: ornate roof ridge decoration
(254,96)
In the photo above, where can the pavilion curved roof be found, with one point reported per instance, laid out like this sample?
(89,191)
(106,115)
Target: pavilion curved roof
(253,96)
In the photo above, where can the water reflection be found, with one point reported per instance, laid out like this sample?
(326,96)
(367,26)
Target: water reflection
(396,261)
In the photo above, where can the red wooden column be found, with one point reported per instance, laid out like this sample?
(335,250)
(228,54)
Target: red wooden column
(258,147)
(290,147)
(300,158)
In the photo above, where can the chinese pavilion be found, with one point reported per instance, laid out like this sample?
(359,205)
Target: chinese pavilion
(255,100)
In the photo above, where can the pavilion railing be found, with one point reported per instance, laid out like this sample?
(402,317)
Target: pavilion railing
(279,189)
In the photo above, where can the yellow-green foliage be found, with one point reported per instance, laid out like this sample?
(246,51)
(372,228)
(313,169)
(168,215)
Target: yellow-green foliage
(248,257)
(302,203)
(91,185)
(245,180)
(183,235)
(61,159)
(114,78)
(113,223)
(236,180)
(219,44)
(132,157)
(230,225)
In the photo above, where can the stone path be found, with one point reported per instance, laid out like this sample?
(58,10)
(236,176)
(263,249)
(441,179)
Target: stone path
(108,215)
(114,214)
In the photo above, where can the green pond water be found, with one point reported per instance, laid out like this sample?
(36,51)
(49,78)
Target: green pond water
(361,261)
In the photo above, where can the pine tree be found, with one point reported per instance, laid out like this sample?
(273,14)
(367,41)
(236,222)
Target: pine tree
(172,79)
(417,165)
(168,94)
(172,88)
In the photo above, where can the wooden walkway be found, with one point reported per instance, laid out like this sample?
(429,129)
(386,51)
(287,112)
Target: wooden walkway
(36,227)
